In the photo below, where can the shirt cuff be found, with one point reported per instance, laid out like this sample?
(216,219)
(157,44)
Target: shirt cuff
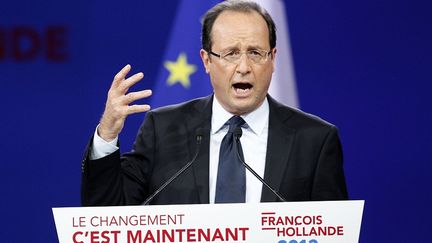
(101,148)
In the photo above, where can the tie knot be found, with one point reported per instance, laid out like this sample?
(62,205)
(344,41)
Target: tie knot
(234,122)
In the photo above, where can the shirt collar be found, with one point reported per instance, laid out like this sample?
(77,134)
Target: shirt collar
(256,120)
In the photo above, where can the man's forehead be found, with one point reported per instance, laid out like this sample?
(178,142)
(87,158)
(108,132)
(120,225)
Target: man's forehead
(229,16)
(242,30)
(242,46)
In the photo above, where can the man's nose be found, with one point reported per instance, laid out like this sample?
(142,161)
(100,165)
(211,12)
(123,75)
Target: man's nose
(244,65)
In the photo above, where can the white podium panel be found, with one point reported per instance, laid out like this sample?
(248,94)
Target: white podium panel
(292,222)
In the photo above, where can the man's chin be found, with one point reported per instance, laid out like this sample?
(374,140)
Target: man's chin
(242,106)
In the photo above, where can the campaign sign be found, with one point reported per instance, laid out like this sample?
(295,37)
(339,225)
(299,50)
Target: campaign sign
(291,222)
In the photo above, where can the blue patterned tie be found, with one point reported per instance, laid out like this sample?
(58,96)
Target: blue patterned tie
(231,178)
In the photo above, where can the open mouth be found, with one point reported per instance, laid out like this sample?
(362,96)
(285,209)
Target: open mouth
(242,87)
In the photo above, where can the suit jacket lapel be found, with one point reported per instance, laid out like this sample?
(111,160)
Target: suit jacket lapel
(279,142)
(200,117)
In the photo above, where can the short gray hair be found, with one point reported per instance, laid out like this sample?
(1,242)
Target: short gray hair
(236,6)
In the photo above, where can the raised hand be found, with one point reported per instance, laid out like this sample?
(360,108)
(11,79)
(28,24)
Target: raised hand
(117,106)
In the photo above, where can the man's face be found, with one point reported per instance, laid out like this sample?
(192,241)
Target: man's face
(240,87)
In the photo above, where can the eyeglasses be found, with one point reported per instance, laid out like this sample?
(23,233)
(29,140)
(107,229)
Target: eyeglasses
(233,56)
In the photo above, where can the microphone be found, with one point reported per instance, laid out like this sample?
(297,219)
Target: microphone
(237,134)
(199,135)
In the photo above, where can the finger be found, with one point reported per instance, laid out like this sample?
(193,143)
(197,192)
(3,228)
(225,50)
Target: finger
(121,75)
(138,109)
(129,82)
(133,96)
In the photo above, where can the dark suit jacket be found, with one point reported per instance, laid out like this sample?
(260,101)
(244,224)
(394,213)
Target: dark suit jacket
(303,161)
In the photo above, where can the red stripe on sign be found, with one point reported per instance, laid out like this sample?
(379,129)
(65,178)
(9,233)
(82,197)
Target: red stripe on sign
(268,213)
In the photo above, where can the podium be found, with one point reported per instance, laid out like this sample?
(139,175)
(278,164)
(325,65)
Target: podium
(290,222)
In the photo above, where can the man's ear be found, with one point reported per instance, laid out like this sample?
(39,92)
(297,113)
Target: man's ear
(273,55)
(205,59)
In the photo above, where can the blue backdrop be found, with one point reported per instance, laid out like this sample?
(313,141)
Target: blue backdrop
(362,65)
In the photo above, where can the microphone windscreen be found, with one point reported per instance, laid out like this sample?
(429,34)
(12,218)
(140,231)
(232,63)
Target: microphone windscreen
(199,132)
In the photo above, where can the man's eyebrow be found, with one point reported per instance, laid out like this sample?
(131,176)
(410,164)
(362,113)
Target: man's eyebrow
(231,48)
(255,47)
(237,48)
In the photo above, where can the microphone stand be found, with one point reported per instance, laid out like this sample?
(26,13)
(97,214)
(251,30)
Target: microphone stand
(237,134)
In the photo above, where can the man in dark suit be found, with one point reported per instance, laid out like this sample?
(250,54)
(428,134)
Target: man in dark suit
(298,154)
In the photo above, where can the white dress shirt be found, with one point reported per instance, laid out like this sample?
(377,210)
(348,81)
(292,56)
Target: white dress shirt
(102,148)
(254,145)
(253,140)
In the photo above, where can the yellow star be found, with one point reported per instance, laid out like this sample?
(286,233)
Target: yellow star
(180,71)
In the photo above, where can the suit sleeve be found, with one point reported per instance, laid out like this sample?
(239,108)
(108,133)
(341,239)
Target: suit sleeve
(116,179)
(329,179)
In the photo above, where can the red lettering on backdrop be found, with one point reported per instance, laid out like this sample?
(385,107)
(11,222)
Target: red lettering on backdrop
(2,44)
(26,43)
(56,43)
